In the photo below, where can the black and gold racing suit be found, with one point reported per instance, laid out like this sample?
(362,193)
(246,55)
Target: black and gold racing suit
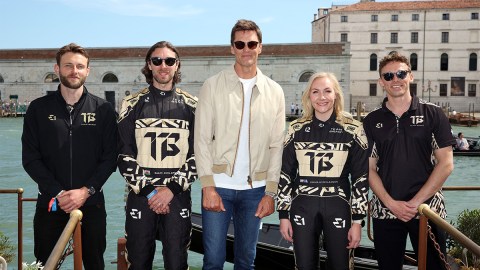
(315,192)
(156,149)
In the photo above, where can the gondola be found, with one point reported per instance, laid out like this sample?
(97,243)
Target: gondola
(467,153)
(273,252)
(473,151)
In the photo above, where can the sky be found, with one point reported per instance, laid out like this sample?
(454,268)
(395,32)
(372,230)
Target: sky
(28,24)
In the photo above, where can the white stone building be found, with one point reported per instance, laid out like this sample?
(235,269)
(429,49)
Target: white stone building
(28,74)
(441,39)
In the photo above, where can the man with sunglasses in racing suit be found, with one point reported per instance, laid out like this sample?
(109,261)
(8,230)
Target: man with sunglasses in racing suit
(410,147)
(157,161)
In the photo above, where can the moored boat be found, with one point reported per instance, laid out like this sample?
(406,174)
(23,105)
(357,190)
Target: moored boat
(274,252)
(463,120)
(473,151)
(467,153)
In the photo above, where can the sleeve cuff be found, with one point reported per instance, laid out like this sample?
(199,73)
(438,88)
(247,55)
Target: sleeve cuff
(174,187)
(207,181)
(283,214)
(146,190)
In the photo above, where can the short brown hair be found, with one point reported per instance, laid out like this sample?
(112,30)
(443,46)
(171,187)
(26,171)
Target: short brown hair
(245,25)
(73,48)
(393,57)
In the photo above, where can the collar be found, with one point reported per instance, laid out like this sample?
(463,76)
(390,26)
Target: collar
(330,121)
(413,105)
(233,77)
(62,100)
(161,93)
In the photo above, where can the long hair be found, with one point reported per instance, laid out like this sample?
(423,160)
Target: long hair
(245,25)
(73,48)
(308,109)
(148,73)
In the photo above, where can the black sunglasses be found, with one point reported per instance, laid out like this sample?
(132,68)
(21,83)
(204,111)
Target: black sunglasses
(169,61)
(401,74)
(251,45)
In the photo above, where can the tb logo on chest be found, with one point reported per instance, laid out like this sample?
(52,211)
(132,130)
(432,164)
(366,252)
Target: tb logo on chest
(417,119)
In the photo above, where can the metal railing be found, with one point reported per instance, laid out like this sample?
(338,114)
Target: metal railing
(428,214)
(20,200)
(3,263)
(423,225)
(73,225)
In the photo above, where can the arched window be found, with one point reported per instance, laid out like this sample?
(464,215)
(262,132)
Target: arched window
(373,62)
(414,61)
(1,79)
(444,61)
(305,76)
(110,78)
(51,78)
(472,62)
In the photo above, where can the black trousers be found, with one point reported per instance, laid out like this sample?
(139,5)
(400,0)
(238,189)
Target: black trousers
(143,227)
(309,216)
(48,226)
(390,239)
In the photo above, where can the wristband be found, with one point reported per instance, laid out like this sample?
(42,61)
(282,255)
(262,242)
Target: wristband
(151,194)
(52,205)
(358,221)
(271,194)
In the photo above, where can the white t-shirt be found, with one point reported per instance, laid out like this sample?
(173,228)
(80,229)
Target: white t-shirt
(462,144)
(241,171)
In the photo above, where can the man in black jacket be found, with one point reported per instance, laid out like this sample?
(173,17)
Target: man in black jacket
(69,150)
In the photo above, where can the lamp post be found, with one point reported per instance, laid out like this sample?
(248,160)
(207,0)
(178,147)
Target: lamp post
(429,89)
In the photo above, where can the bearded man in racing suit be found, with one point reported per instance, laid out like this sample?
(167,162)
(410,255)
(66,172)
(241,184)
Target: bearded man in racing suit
(157,161)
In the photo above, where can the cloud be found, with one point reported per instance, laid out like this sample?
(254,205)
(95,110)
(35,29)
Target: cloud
(140,8)
(266,20)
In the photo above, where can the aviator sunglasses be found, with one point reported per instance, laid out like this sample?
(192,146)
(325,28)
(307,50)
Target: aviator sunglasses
(401,74)
(169,61)
(251,45)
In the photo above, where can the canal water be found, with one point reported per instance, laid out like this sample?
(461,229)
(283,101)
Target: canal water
(13,176)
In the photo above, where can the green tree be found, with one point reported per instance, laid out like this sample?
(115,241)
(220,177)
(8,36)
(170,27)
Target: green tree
(467,223)
(6,248)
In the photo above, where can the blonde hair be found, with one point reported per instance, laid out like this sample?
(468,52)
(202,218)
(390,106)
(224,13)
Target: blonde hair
(308,109)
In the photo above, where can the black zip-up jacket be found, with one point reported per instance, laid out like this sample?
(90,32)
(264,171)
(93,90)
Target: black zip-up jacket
(156,140)
(64,150)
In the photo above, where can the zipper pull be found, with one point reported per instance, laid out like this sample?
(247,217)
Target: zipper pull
(249,180)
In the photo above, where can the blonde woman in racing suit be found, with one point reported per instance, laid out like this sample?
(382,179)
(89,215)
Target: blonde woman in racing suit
(322,151)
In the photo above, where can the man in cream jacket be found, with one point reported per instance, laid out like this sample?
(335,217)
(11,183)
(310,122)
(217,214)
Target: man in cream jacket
(239,133)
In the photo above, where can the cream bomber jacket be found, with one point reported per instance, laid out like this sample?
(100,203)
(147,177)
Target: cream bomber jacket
(217,128)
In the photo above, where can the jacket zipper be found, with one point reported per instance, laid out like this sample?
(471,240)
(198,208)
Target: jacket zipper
(70,110)
(249,179)
(238,136)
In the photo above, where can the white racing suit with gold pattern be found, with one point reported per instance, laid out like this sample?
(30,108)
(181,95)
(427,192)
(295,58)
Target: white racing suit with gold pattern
(155,150)
(323,187)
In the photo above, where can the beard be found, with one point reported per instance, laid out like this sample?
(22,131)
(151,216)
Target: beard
(163,80)
(64,80)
